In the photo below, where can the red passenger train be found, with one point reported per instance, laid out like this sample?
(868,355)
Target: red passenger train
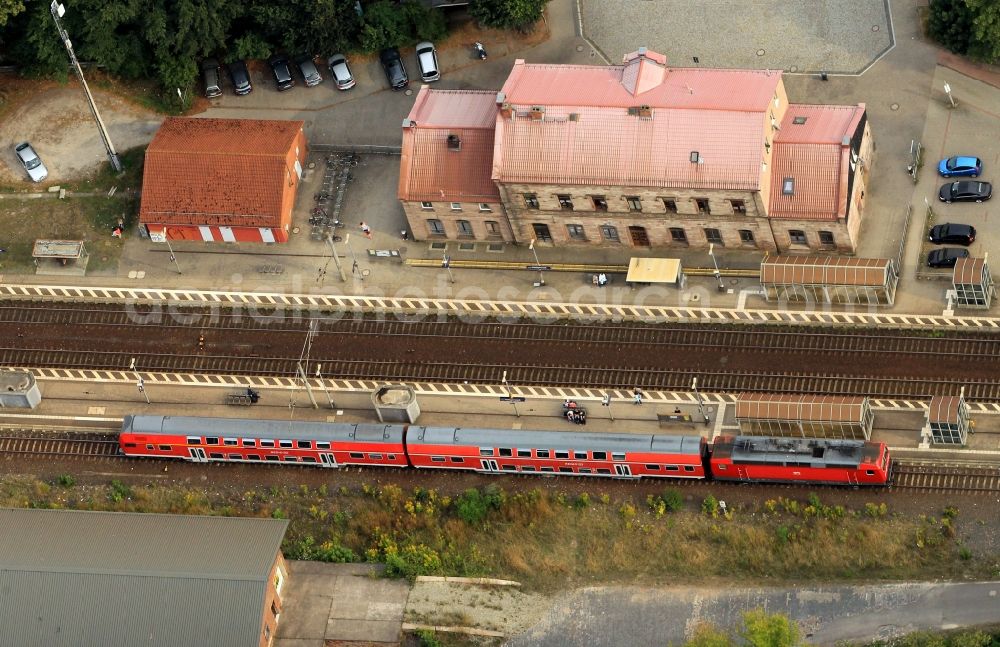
(496,450)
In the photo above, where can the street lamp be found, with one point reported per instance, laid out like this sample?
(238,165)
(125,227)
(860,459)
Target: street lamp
(446,264)
(139,382)
(951,99)
(541,276)
(510,397)
(718,274)
(701,404)
(58,11)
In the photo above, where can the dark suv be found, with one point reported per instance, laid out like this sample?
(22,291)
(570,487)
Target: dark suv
(282,72)
(212,78)
(240,75)
(952,233)
(395,73)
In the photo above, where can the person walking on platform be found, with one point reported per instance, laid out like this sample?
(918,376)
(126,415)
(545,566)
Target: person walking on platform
(638,396)
(366,230)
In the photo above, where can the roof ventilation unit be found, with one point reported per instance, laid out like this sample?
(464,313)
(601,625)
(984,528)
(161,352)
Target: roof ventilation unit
(574,116)
(454,143)
(645,111)
(537,113)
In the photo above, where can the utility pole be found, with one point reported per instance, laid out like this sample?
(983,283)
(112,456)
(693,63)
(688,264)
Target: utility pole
(354,268)
(58,11)
(606,402)
(701,404)
(303,362)
(336,259)
(446,264)
(951,99)
(322,382)
(510,396)
(541,274)
(718,274)
(171,250)
(139,382)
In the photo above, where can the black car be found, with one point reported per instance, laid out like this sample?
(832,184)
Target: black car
(946,256)
(240,75)
(966,191)
(211,77)
(952,233)
(282,72)
(395,73)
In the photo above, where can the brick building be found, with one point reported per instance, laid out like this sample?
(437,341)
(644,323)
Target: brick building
(229,180)
(641,155)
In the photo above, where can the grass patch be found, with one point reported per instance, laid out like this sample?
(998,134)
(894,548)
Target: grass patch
(105,177)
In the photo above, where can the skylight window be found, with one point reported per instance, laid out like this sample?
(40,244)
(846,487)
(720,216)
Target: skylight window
(788,186)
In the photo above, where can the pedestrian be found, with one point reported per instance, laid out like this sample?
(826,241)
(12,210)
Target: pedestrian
(366,230)
(638,396)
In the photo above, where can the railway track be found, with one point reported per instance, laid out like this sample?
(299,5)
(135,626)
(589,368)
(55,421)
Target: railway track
(931,477)
(91,446)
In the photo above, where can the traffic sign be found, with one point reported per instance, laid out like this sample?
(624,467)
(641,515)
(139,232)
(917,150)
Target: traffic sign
(158,236)
(506,399)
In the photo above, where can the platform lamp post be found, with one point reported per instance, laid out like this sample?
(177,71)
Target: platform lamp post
(58,11)
(322,382)
(355,268)
(951,99)
(139,382)
(701,403)
(336,259)
(510,396)
(718,274)
(606,402)
(541,275)
(170,249)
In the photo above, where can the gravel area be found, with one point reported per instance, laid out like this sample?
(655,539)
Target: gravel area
(841,36)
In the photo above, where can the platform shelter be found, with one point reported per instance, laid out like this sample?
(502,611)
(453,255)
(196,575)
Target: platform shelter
(830,279)
(948,420)
(973,283)
(807,416)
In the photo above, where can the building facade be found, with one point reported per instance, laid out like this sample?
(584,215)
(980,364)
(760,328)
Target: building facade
(644,155)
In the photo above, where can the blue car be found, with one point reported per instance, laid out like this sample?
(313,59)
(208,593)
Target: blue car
(960,166)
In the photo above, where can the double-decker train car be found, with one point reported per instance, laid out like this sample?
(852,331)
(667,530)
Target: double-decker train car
(254,441)
(798,460)
(505,450)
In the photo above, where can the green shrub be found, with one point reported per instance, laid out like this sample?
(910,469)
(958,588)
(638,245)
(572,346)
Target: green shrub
(66,480)
(674,500)
(118,491)
(710,506)
(474,506)
(428,639)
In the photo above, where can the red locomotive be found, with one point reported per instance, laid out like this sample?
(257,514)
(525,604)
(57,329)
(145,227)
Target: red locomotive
(519,451)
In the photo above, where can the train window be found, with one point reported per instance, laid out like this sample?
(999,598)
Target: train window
(585,470)
(235,457)
(232,442)
(566,470)
(130,444)
(437,459)
(374,457)
(149,447)
(547,469)
(562,454)
(290,459)
(287,444)
(689,468)
(671,468)
(870,472)
(194,440)
(271,458)
(508,468)
(580,455)
(506,451)
(600,456)
(165,448)
(211,440)
(617,456)
(253,457)
(524,453)
(357,455)
(391,457)
(249,442)
(542,453)
(485,451)
(527,468)
(603,470)
(653,468)
(216,455)
(322,444)
(308,459)
(456,459)
(267,443)
(303,444)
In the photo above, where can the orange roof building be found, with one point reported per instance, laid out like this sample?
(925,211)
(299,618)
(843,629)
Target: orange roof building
(642,154)
(222,179)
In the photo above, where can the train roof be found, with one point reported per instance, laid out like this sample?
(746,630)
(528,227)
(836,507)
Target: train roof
(274,429)
(817,452)
(568,440)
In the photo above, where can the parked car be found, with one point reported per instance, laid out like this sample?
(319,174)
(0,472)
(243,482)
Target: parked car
(240,76)
(946,256)
(395,73)
(966,191)
(282,72)
(427,60)
(341,72)
(307,68)
(213,79)
(31,162)
(952,233)
(960,165)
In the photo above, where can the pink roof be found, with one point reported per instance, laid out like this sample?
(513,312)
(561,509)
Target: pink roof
(587,135)
(815,156)
(432,171)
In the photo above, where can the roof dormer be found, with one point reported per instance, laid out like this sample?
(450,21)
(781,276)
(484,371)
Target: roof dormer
(644,70)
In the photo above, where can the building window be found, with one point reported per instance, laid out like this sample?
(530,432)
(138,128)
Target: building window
(610,233)
(484,207)
(435,227)
(576,232)
(788,186)
(456,206)
(530,200)
(746,237)
(600,202)
(826,238)
(565,202)
(702,204)
(634,202)
(492,228)
(427,205)
(739,206)
(797,237)
(678,236)
(464,228)
(713,235)
(541,232)
(670,205)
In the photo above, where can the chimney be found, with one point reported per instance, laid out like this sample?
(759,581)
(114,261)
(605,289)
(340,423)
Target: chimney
(454,143)
(645,111)
(506,111)
(537,113)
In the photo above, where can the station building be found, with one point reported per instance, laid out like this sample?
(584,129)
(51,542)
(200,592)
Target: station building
(636,155)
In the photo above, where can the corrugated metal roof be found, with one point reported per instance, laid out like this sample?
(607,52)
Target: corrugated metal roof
(109,578)
(430,168)
(825,270)
(795,407)
(969,271)
(229,172)
(815,452)
(273,429)
(944,409)
(555,440)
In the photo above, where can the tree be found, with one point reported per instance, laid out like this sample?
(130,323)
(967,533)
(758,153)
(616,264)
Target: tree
(507,14)
(763,630)
(949,22)
(384,25)
(986,29)
(705,635)
(9,9)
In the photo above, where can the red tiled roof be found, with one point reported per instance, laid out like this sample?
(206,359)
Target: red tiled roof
(815,156)
(429,170)
(217,171)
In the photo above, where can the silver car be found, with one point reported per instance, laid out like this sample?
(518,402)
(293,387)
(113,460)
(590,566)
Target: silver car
(341,72)
(308,70)
(428,62)
(31,162)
